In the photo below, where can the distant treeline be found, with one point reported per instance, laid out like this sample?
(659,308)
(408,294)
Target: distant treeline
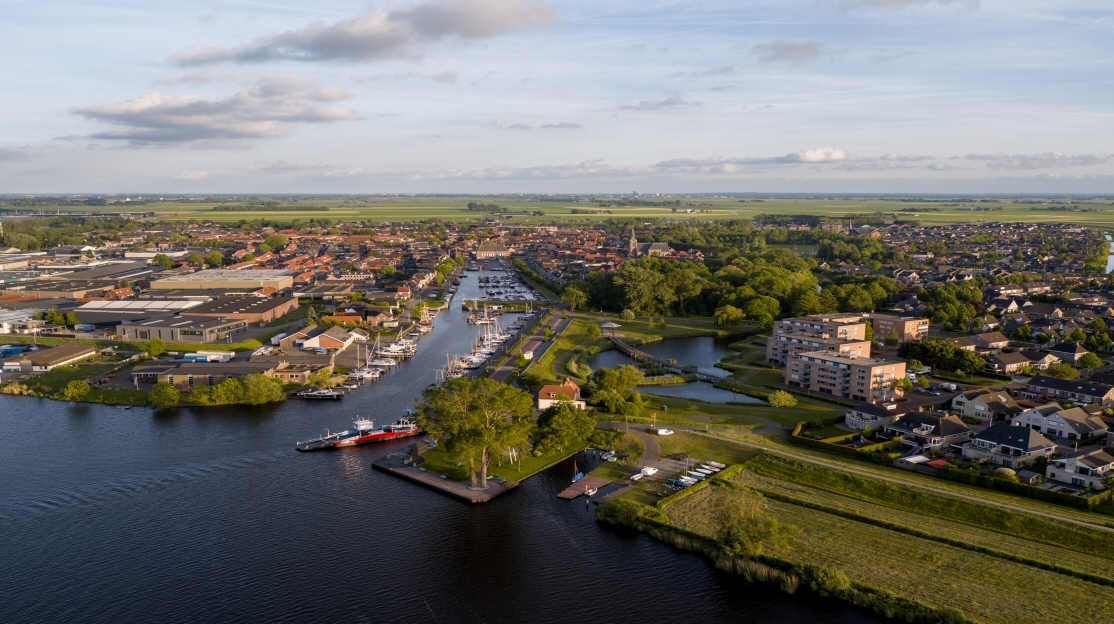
(1065,209)
(474,207)
(286,208)
(586,211)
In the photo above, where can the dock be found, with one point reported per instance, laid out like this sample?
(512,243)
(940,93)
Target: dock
(578,488)
(616,494)
(396,464)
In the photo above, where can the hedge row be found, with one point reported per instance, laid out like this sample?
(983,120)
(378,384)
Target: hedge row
(971,477)
(850,515)
(873,453)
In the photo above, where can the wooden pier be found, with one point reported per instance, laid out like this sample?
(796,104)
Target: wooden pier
(578,488)
(642,356)
(395,464)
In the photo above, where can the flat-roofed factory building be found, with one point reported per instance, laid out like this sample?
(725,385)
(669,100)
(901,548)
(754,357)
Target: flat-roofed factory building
(218,279)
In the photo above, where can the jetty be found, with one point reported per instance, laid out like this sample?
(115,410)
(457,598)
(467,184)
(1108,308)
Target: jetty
(401,465)
(578,488)
(642,356)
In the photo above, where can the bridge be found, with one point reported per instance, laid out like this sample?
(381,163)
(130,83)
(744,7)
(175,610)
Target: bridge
(642,356)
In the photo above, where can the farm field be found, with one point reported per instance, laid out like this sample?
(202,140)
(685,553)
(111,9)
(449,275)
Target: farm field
(454,208)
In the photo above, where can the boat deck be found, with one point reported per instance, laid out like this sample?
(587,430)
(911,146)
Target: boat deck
(577,489)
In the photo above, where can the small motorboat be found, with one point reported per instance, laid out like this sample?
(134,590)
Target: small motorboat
(591,491)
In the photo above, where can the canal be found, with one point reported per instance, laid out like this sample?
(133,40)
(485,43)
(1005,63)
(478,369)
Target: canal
(209,515)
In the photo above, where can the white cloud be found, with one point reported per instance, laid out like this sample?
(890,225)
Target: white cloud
(793,52)
(266,110)
(396,33)
(12,153)
(192,175)
(322,169)
(1044,160)
(904,157)
(715,71)
(671,102)
(561,125)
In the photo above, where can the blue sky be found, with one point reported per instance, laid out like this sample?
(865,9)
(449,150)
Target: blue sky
(519,96)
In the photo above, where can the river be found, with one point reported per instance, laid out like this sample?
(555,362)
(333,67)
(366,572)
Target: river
(1110,258)
(209,515)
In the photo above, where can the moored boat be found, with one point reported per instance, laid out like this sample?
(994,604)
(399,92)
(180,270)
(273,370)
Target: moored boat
(364,432)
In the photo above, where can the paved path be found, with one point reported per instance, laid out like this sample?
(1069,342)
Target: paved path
(874,475)
(535,343)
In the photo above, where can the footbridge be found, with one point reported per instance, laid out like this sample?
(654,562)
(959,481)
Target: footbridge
(642,356)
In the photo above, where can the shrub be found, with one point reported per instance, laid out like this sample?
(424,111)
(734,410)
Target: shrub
(781,398)
(627,315)
(76,390)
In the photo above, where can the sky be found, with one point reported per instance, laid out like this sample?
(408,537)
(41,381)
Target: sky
(504,96)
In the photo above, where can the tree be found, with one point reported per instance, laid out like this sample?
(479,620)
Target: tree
(387,270)
(729,315)
(904,384)
(1042,338)
(1099,325)
(163,259)
(260,389)
(593,332)
(278,241)
(227,392)
(1090,360)
(893,338)
(623,379)
(915,365)
(156,347)
(76,390)
(71,319)
(1023,333)
(520,361)
(164,395)
(194,259)
(922,381)
(575,298)
(548,333)
(781,398)
(1076,335)
(627,315)
(1062,370)
(563,424)
(215,259)
(263,249)
(248,257)
(476,419)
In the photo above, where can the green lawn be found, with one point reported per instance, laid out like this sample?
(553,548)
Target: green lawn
(704,448)
(766,377)
(440,461)
(618,469)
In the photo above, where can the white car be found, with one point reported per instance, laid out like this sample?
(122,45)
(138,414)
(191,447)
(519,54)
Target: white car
(529,355)
(665,432)
(649,470)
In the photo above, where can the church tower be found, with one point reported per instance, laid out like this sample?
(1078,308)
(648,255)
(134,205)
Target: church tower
(632,249)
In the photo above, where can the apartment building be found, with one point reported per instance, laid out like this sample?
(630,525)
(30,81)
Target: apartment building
(779,348)
(842,326)
(906,327)
(845,376)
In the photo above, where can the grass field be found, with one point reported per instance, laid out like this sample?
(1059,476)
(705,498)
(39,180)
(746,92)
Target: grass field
(687,408)
(983,587)
(398,209)
(705,448)
(629,443)
(440,461)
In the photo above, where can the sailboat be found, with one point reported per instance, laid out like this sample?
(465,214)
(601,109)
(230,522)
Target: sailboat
(579,475)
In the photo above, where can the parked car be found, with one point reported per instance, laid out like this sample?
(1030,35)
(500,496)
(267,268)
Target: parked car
(950,387)
(665,432)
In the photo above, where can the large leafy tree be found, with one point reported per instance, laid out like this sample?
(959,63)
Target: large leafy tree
(562,425)
(476,419)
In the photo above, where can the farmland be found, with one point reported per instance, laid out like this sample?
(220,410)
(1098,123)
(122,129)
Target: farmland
(933,211)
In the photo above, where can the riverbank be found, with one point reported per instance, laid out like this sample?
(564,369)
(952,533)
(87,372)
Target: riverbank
(900,550)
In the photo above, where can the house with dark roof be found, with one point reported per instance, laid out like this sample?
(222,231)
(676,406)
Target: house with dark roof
(873,415)
(1073,423)
(963,342)
(1007,363)
(928,431)
(1069,352)
(1044,388)
(1082,469)
(1008,445)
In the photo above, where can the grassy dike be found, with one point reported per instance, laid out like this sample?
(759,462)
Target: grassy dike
(904,552)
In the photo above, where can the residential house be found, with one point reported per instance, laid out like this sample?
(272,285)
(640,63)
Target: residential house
(1044,388)
(929,431)
(1070,352)
(1041,361)
(1008,445)
(1007,363)
(567,391)
(1072,423)
(963,342)
(983,404)
(990,342)
(1086,469)
(906,328)
(335,338)
(873,415)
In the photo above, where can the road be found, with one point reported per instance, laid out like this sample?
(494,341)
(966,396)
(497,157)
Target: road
(535,343)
